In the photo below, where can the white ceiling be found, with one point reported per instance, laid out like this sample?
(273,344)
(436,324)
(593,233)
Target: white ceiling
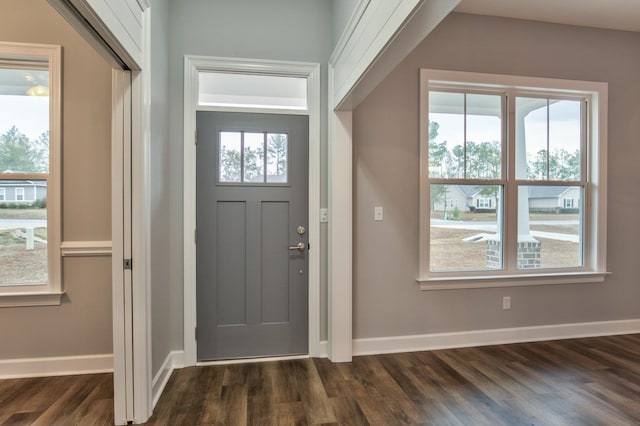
(612,14)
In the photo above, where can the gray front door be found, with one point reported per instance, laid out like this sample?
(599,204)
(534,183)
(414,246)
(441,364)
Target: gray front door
(252,220)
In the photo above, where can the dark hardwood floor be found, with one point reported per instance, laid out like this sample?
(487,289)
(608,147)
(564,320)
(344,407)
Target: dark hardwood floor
(593,381)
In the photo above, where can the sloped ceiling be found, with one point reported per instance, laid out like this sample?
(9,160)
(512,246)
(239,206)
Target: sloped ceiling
(611,14)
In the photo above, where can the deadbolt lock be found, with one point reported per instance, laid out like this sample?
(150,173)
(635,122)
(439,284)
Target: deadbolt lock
(301,230)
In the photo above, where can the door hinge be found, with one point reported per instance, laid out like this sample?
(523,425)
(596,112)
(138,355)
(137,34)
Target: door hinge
(195,137)
(196,333)
(127,264)
(195,235)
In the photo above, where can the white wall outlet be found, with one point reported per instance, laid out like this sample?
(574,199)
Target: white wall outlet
(324,215)
(506,303)
(377,213)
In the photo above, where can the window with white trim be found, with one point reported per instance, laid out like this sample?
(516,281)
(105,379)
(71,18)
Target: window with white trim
(517,145)
(30,88)
(19,194)
(483,203)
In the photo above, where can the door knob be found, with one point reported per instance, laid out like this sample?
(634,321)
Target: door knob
(299,247)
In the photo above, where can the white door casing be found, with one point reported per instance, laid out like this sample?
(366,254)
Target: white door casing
(193,65)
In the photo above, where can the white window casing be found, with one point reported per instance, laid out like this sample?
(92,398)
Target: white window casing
(45,57)
(592,182)
(19,196)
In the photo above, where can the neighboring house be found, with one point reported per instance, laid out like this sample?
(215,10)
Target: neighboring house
(466,198)
(22,191)
(558,199)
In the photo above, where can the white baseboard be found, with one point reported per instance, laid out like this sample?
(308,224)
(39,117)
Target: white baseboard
(426,342)
(174,359)
(55,366)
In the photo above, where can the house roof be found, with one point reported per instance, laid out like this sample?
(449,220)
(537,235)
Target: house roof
(22,183)
(471,191)
(547,191)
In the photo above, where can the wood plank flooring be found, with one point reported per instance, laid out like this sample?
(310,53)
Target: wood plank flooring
(593,381)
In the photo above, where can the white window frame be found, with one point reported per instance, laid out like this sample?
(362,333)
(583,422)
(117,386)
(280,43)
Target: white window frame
(48,57)
(486,203)
(595,211)
(3,194)
(19,194)
(567,203)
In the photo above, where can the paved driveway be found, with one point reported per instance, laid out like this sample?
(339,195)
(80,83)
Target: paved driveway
(22,223)
(492,227)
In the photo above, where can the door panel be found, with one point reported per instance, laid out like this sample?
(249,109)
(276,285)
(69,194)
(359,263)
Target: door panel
(251,190)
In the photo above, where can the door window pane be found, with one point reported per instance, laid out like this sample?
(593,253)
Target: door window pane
(254,157)
(230,166)
(277,157)
(550,232)
(466,224)
(23,234)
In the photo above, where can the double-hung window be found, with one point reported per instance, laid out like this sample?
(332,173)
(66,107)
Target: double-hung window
(30,87)
(529,157)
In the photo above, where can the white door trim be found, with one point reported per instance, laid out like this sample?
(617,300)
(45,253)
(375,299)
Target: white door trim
(131,303)
(120,139)
(193,65)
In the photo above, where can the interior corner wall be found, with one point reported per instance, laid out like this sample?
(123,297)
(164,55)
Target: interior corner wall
(159,159)
(82,324)
(386,142)
(289,30)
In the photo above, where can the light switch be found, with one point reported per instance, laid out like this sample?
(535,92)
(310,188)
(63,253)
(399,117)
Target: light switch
(324,215)
(377,213)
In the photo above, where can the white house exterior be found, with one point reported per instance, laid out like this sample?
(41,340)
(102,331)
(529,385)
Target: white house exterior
(466,198)
(544,199)
(22,191)
(554,198)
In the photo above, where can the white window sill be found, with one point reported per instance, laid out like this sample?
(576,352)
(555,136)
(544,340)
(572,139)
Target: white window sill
(519,280)
(8,300)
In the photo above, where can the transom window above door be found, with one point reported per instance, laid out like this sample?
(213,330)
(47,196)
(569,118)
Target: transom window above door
(232,90)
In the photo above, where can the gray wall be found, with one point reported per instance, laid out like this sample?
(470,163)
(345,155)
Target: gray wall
(290,30)
(160,222)
(386,144)
(341,11)
(82,324)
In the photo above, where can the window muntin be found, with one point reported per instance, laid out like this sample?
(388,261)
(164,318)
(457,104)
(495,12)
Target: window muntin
(565,107)
(30,86)
(250,158)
